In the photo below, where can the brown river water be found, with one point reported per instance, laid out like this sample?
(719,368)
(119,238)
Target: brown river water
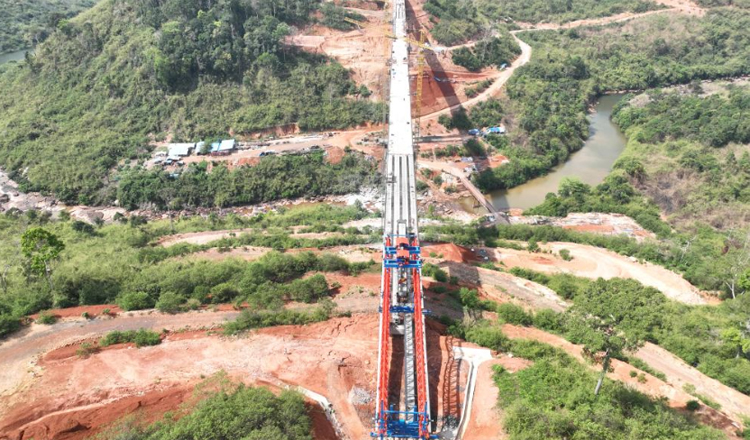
(591,164)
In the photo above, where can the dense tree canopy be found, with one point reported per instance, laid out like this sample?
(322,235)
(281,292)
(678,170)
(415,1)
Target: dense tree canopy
(118,262)
(129,71)
(274,178)
(570,68)
(25,23)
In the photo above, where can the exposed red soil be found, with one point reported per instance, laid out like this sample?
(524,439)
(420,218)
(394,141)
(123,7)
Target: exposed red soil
(485,414)
(82,423)
(322,429)
(73,397)
(450,252)
(444,87)
(596,229)
(150,407)
(335,155)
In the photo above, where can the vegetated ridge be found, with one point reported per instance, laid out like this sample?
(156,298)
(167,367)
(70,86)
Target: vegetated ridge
(107,83)
(25,23)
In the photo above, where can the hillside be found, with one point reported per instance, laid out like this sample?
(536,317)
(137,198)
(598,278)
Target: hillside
(25,23)
(125,73)
(549,98)
(456,22)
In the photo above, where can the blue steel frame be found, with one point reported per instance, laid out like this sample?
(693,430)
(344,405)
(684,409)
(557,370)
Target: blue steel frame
(394,424)
(398,427)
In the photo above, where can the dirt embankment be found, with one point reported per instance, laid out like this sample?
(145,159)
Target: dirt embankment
(328,358)
(59,395)
(592,262)
(593,223)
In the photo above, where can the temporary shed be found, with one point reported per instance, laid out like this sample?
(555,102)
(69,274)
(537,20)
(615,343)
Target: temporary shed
(180,150)
(227,145)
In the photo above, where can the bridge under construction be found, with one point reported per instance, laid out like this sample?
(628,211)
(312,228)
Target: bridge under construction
(401,299)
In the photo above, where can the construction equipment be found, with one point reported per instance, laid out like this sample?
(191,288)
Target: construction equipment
(401,301)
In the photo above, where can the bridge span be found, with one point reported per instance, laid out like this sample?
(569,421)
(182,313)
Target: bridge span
(406,414)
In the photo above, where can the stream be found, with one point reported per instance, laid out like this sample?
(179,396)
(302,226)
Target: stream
(12,56)
(591,164)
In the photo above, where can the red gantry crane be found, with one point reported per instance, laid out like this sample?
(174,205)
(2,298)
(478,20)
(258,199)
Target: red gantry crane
(401,300)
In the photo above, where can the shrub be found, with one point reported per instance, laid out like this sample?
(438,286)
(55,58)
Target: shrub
(487,335)
(8,324)
(192,304)
(46,318)
(141,338)
(514,314)
(135,301)
(565,255)
(633,373)
(643,366)
(145,337)
(439,289)
(548,319)
(430,270)
(692,405)
(533,246)
(308,290)
(169,302)
(85,350)
(83,227)
(251,319)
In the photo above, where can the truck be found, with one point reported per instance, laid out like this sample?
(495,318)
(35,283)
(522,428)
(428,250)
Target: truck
(495,130)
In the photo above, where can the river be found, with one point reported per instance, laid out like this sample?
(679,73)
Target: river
(12,56)
(591,164)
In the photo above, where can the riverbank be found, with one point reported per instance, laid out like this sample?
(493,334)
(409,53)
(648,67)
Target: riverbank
(591,164)
(13,56)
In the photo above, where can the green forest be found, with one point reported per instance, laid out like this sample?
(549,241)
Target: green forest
(561,11)
(107,83)
(26,23)
(697,140)
(493,52)
(553,397)
(711,338)
(550,96)
(282,177)
(457,22)
(67,263)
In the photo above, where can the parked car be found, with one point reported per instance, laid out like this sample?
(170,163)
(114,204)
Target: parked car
(482,254)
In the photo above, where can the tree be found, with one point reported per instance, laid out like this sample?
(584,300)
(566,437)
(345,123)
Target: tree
(735,273)
(736,338)
(614,316)
(600,334)
(41,247)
